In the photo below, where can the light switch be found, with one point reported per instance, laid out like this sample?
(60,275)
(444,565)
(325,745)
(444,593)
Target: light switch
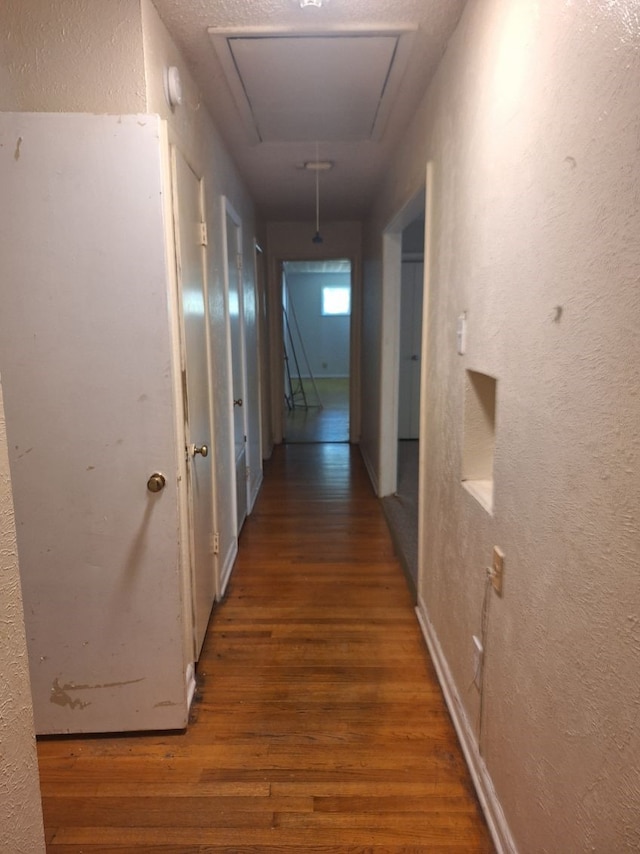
(461,333)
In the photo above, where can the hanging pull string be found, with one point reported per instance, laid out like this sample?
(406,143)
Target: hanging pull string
(317,188)
(317,238)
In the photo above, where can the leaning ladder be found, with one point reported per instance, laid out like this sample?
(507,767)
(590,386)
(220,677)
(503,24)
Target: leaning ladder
(296,395)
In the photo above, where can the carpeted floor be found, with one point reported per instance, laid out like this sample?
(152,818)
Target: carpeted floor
(401,510)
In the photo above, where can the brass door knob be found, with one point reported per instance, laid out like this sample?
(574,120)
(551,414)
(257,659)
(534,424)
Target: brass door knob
(238,402)
(156,482)
(203,450)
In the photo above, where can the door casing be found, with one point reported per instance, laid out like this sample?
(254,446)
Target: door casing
(195,384)
(236,354)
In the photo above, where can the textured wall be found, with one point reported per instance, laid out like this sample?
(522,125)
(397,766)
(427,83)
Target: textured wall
(21,830)
(532,125)
(71,56)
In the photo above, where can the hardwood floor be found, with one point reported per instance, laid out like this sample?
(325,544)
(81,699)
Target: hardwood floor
(319,725)
(326,423)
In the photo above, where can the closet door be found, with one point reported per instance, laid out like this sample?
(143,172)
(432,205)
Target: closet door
(86,354)
(190,239)
(233,264)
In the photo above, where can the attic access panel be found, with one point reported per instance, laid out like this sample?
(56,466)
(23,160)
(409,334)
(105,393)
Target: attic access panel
(302,88)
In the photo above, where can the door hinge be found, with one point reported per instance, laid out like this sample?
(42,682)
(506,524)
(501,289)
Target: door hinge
(215,543)
(202,236)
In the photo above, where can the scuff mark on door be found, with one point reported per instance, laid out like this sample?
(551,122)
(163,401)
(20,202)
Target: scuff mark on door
(60,693)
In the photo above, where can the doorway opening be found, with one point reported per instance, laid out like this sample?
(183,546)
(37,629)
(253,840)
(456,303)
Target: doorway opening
(316,320)
(401,508)
(402,369)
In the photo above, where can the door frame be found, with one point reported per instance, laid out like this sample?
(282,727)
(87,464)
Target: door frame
(229,210)
(390,350)
(262,335)
(177,366)
(183,406)
(424,385)
(390,337)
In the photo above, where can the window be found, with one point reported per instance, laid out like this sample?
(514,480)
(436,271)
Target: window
(336,301)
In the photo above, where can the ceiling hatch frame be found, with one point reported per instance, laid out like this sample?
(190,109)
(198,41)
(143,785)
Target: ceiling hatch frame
(223,41)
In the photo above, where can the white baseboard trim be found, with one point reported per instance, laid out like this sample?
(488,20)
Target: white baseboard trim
(480,776)
(190,677)
(370,470)
(227,567)
(255,489)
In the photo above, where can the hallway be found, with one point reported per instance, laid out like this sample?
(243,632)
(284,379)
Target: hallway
(319,724)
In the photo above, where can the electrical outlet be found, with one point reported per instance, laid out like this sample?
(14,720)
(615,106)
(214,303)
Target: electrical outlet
(497,570)
(478,654)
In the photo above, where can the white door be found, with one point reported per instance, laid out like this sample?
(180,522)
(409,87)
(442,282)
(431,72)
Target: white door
(190,239)
(86,353)
(410,350)
(237,366)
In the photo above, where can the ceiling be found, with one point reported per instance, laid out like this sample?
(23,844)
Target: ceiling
(340,266)
(287,85)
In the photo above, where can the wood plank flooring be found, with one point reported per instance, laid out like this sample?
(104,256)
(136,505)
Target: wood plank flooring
(319,725)
(327,423)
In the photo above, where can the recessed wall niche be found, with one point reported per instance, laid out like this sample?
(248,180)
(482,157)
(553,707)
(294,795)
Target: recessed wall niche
(479,437)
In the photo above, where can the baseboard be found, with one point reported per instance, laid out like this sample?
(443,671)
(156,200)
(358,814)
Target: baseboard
(255,489)
(227,568)
(480,776)
(370,469)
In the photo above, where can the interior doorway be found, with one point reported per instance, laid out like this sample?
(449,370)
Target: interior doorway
(188,209)
(316,322)
(401,508)
(237,358)
(402,369)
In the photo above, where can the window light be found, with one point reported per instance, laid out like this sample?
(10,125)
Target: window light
(336,301)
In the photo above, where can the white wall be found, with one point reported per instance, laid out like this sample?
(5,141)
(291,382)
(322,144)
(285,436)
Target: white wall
(72,56)
(21,830)
(532,126)
(325,337)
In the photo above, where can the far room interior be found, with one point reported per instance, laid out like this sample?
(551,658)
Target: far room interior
(316,303)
